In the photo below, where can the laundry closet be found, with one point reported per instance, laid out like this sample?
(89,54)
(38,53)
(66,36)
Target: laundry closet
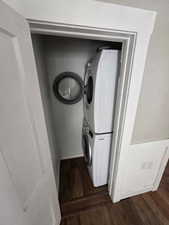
(80,138)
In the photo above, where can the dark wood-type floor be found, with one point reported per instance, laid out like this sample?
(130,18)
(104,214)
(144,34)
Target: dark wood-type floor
(82,204)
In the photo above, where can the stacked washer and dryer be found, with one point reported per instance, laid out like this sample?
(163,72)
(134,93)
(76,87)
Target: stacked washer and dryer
(98,91)
(99,106)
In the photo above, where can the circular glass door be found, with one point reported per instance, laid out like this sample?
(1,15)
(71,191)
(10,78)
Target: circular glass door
(86,149)
(68,88)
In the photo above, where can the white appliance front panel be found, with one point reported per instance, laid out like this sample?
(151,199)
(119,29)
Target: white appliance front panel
(100,145)
(104,71)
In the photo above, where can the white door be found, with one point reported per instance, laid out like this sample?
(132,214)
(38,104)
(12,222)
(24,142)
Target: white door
(28,193)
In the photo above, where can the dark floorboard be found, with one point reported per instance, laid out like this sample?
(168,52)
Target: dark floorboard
(75,181)
(82,204)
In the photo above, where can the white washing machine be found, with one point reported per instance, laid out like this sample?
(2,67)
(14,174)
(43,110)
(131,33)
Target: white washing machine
(99,97)
(96,150)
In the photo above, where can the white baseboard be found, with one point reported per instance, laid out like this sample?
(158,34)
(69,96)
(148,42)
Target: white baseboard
(131,194)
(72,156)
(162,167)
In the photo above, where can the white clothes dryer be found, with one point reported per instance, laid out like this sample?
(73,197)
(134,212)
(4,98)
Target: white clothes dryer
(100,88)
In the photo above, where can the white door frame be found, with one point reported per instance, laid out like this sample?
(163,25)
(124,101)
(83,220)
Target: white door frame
(129,41)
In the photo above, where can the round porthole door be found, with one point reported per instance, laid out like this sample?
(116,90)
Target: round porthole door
(68,88)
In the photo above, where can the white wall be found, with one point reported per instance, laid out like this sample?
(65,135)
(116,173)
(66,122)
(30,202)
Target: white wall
(66,54)
(152,121)
(39,52)
(87,13)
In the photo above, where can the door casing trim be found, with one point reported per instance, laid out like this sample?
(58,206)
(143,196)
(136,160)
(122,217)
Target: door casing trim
(128,40)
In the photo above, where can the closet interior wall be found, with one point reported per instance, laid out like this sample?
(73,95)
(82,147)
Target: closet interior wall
(39,53)
(55,55)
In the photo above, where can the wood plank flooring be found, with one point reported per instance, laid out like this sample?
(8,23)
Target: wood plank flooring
(82,204)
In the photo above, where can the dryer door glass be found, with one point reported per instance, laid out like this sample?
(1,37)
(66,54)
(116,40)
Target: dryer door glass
(68,88)
(89,90)
(87,149)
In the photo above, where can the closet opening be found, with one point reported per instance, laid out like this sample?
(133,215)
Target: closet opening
(84,83)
